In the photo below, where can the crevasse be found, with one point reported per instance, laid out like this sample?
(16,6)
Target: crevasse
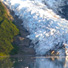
(47,30)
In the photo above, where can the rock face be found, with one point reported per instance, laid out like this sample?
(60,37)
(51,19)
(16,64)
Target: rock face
(47,30)
(21,40)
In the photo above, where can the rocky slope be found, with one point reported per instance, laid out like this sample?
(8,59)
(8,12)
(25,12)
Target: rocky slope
(20,40)
(47,30)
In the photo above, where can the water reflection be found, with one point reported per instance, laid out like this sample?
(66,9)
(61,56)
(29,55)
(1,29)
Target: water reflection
(5,62)
(49,63)
(34,62)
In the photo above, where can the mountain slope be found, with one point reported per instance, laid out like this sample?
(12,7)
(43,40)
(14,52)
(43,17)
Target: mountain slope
(48,31)
(7,32)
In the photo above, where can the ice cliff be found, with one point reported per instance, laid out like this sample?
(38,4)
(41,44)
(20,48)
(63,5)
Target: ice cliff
(47,30)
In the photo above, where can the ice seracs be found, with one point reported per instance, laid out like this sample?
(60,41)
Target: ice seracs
(48,31)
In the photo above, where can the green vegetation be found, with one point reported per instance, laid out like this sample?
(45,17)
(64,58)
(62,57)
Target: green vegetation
(7,32)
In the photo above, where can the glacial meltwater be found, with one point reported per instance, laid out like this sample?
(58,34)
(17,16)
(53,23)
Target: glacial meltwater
(34,62)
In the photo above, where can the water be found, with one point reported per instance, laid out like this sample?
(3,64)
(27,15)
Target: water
(33,62)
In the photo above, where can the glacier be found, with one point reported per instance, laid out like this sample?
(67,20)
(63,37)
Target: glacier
(48,31)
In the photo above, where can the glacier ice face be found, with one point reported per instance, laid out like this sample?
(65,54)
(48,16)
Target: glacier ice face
(47,30)
(55,4)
